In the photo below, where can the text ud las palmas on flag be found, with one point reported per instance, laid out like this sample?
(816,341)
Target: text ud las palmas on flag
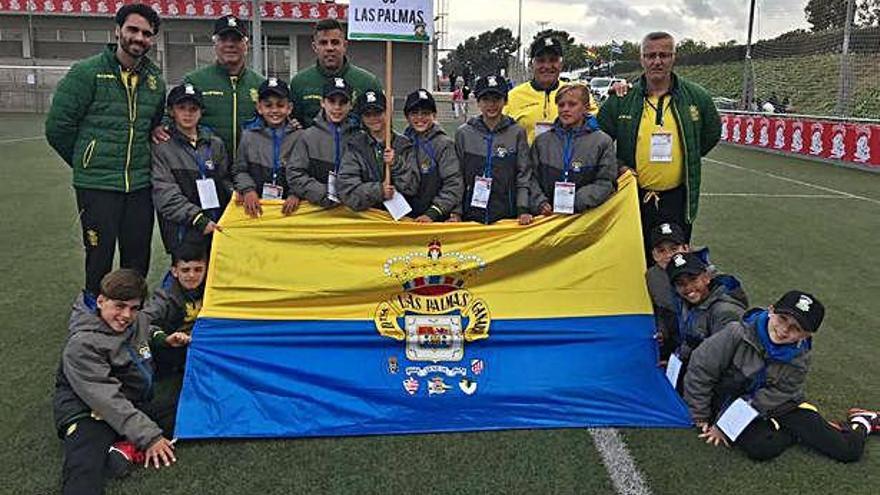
(330,322)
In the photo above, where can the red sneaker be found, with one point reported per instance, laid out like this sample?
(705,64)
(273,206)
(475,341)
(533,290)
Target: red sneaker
(867,418)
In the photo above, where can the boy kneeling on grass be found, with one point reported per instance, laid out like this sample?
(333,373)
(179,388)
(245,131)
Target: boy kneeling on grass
(574,162)
(260,169)
(174,307)
(104,387)
(748,381)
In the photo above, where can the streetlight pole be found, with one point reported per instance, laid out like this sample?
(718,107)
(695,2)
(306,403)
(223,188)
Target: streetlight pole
(257,62)
(748,94)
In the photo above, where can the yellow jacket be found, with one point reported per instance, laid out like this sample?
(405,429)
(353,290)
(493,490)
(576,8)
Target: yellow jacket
(528,105)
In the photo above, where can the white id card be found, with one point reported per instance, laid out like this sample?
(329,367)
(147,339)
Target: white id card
(673,369)
(736,418)
(331,187)
(563,198)
(661,147)
(482,190)
(542,127)
(397,206)
(271,191)
(207,193)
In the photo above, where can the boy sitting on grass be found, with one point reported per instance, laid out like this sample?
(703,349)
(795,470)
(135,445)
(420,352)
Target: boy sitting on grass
(104,386)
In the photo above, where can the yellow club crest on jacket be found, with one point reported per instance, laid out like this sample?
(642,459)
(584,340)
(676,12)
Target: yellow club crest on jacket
(254,95)
(438,314)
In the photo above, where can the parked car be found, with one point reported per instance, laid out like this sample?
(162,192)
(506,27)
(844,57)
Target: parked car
(600,86)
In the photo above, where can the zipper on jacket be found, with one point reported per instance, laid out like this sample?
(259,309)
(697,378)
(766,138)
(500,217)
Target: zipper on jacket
(684,155)
(87,153)
(131,95)
(233,81)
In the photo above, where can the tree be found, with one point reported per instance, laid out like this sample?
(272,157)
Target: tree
(868,13)
(480,55)
(826,14)
(688,46)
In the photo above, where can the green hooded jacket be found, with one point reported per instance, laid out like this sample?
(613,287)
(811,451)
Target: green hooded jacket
(698,124)
(101,129)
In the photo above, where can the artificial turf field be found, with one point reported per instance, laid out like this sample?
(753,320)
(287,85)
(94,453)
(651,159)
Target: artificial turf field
(778,223)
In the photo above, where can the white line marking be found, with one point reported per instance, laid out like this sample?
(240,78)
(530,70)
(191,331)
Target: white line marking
(622,469)
(763,195)
(795,181)
(20,140)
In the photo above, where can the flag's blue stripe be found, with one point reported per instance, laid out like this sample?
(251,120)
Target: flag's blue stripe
(322,378)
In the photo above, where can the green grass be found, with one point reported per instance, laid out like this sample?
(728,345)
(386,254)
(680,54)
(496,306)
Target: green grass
(828,246)
(810,81)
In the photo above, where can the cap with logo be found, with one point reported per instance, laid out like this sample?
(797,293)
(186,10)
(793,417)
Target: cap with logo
(491,84)
(545,45)
(803,307)
(685,264)
(336,86)
(370,100)
(185,92)
(420,98)
(230,23)
(274,87)
(667,231)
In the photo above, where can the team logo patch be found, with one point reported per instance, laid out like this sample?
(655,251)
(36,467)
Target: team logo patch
(695,113)
(577,165)
(254,95)
(665,228)
(435,317)
(371,96)
(152,83)
(804,304)
(144,352)
(679,260)
(501,152)
(189,89)
(92,237)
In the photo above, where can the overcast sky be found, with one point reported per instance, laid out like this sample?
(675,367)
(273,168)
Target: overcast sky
(599,21)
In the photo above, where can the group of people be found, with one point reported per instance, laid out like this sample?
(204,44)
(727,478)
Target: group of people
(227,134)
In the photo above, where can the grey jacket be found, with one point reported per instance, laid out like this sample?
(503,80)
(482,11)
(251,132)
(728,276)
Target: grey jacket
(440,182)
(315,155)
(363,170)
(593,166)
(697,323)
(107,375)
(728,364)
(176,167)
(503,155)
(171,308)
(264,155)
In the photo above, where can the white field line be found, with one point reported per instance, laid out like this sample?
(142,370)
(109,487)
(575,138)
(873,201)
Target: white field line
(795,181)
(20,140)
(622,469)
(763,195)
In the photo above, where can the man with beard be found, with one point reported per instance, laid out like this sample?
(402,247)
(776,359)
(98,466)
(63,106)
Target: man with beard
(663,127)
(229,88)
(100,121)
(532,104)
(306,87)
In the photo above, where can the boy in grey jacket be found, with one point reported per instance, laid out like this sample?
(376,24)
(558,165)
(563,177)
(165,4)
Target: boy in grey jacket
(362,172)
(104,386)
(317,157)
(433,154)
(763,360)
(266,142)
(574,162)
(191,183)
(494,155)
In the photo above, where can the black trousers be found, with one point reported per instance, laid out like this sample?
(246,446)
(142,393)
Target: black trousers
(85,468)
(662,206)
(111,217)
(762,440)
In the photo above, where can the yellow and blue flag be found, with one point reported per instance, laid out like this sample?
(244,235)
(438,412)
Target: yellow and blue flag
(330,322)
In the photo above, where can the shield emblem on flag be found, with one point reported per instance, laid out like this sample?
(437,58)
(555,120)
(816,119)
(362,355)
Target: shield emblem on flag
(434,338)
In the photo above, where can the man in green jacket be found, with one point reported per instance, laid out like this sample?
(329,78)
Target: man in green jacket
(663,127)
(100,122)
(306,87)
(229,88)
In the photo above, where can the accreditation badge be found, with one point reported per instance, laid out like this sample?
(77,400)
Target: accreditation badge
(563,198)
(331,187)
(207,193)
(661,147)
(272,191)
(482,190)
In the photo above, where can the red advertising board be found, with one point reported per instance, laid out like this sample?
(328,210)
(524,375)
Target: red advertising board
(304,11)
(854,142)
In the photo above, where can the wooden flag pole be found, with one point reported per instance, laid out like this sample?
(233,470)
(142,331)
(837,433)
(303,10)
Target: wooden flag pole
(389,106)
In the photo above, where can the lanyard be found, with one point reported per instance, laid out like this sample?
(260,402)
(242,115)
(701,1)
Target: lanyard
(276,155)
(487,167)
(427,148)
(567,154)
(659,109)
(201,159)
(337,147)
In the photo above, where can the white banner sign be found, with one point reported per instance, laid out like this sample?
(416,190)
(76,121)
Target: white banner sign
(391,20)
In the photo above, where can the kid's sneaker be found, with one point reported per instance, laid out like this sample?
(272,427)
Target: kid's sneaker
(869,419)
(121,457)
